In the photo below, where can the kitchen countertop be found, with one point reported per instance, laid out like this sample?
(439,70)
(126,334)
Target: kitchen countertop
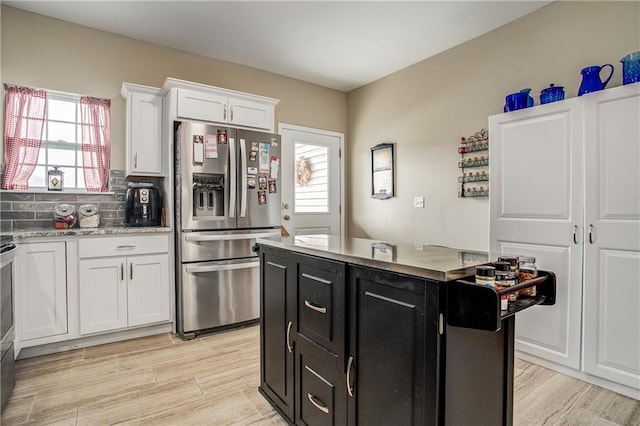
(432,262)
(38,233)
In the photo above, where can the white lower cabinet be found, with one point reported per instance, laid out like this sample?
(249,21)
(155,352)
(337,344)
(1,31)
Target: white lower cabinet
(612,237)
(565,189)
(41,293)
(117,292)
(103,295)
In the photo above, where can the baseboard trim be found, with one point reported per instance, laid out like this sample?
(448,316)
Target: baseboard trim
(603,383)
(84,342)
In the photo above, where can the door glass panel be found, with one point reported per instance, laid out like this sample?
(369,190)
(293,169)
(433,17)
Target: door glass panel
(311,193)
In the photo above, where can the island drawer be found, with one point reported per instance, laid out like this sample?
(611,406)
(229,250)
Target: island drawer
(320,285)
(122,246)
(321,395)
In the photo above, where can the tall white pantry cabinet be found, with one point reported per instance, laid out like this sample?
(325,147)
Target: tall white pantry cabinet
(565,188)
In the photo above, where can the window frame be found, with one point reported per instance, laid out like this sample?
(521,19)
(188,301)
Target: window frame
(76,146)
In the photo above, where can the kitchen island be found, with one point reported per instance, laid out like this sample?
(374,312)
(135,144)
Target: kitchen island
(357,331)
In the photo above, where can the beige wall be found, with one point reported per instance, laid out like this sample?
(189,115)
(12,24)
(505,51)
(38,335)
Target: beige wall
(426,108)
(72,58)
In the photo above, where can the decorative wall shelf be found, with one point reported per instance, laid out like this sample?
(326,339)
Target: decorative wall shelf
(479,142)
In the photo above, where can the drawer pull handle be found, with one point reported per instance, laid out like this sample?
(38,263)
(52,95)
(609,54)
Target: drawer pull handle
(349,387)
(315,307)
(126,246)
(289,348)
(319,405)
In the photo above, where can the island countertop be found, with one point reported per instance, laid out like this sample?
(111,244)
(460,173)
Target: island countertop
(432,262)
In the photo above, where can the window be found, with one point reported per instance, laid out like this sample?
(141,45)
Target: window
(61,143)
(312,184)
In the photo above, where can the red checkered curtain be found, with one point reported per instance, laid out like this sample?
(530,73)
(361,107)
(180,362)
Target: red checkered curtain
(96,142)
(24,115)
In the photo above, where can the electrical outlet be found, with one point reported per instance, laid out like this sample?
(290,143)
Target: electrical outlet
(418,202)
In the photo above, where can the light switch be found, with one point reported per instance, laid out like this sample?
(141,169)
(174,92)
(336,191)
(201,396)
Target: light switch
(418,202)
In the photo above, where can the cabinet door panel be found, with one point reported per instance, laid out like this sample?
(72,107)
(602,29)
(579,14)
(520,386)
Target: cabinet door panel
(277,375)
(148,289)
(552,332)
(43,290)
(395,361)
(612,347)
(145,138)
(612,246)
(536,209)
(252,114)
(103,295)
(202,106)
(535,167)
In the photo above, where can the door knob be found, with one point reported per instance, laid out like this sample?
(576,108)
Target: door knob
(286,217)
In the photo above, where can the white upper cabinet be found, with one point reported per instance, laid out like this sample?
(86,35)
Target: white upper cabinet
(194,101)
(143,130)
(202,106)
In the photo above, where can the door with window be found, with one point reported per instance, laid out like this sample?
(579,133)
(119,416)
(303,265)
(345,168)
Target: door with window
(312,181)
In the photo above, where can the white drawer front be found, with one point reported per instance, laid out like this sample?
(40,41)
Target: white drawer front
(123,246)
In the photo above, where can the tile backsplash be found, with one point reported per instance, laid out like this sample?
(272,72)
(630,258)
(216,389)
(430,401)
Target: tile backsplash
(23,210)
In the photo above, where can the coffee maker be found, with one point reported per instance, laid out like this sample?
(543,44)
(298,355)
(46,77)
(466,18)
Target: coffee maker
(143,205)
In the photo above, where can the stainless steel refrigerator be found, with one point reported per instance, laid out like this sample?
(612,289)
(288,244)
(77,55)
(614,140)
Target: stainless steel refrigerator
(227,184)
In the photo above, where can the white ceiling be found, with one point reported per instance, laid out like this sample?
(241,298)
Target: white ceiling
(341,45)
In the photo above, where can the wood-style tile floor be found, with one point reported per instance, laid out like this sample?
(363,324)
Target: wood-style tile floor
(213,380)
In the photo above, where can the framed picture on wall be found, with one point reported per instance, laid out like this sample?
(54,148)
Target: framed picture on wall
(382,163)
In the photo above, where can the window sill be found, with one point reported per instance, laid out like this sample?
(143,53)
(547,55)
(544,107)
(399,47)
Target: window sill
(45,191)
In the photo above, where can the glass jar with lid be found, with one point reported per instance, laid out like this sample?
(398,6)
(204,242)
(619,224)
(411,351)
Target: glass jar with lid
(505,277)
(527,271)
(486,275)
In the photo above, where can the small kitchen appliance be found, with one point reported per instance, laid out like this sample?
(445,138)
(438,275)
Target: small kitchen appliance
(143,205)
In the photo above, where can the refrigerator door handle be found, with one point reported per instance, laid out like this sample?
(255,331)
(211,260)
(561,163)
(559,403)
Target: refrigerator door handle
(217,268)
(223,237)
(243,190)
(232,179)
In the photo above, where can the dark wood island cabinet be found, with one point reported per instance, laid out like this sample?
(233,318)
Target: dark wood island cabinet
(354,335)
